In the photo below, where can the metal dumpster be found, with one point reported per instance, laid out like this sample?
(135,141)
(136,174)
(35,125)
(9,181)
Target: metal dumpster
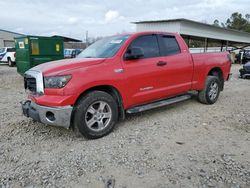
(34,50)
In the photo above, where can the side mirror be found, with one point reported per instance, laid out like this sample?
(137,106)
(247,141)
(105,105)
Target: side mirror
(134,53)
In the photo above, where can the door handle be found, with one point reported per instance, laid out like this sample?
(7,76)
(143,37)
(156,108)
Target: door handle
(161,63)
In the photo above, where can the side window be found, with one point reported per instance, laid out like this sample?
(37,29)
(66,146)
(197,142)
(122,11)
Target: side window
(148,44)
(11,50)
(169,45)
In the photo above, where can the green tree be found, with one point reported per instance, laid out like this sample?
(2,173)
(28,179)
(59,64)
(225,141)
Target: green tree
(237,22)
(216,23)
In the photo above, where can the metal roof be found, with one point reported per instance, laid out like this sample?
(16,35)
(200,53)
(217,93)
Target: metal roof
(67,39)
(191,21)
(10,32)
(195,29)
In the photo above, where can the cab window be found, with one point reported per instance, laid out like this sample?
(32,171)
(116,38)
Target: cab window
(148,45)
(168,45)
(11,50)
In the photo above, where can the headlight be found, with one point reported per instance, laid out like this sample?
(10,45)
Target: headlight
(56,81)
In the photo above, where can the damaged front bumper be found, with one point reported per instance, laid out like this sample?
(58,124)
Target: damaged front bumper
(57,116)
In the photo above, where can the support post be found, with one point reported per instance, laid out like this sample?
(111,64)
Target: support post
(221,48)
(206,45)
(226,45)
(189,42)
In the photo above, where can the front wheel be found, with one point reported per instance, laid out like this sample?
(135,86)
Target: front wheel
(211,92)
(96,114)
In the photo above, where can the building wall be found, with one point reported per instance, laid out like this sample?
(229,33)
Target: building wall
(167,27)
(7,38)
(74,45)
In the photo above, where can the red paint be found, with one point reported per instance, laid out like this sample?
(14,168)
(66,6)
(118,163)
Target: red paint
(182,73)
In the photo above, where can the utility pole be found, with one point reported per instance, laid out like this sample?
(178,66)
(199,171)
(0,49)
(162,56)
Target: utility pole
(87,39)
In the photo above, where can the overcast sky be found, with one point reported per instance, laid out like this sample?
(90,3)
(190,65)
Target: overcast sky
(106,17)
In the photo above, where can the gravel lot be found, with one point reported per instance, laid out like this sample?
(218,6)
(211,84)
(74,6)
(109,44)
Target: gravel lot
(183,145)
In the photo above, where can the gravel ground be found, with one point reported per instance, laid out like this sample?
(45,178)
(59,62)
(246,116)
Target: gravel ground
(183,145)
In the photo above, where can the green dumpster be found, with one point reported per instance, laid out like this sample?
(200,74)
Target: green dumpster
(34,50)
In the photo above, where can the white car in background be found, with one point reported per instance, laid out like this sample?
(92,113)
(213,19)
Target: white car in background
(8,55)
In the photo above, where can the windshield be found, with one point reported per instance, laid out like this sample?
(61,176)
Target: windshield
(2,50)
(104,48)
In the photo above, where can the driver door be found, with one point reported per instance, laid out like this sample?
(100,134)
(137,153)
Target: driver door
(145,75)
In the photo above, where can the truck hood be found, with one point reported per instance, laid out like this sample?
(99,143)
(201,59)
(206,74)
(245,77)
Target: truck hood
(59,66)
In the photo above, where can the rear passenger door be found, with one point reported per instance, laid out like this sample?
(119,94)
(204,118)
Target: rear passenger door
(179,67)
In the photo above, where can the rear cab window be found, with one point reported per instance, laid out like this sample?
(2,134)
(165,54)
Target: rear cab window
(11,49)
(148,44)
(168,45)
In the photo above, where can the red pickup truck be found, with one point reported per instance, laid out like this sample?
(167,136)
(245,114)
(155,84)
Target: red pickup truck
(121,74)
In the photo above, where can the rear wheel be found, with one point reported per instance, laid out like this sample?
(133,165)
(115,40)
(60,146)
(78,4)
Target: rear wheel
(211,92)
(10,63)
(96,114)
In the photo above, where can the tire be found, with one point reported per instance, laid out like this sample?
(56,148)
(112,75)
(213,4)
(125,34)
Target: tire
(95,115)
(211,91)
(10,63)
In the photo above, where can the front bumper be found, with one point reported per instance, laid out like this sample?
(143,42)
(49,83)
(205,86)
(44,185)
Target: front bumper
(57,116)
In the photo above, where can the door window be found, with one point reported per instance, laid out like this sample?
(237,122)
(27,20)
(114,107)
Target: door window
(148,44)
(168,45)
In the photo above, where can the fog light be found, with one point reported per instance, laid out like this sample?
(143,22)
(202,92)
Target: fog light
(50,116)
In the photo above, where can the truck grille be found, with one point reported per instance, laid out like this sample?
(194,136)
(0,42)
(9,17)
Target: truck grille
(30,84)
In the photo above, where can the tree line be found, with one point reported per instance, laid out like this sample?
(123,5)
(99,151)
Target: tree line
(236,21)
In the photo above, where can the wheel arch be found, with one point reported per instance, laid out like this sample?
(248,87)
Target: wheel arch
(114,92)
(216,71)
(9,58)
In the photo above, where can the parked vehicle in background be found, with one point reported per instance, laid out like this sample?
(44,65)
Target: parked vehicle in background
(8,55)
(245,71)
(71,53)
(78,51)
(35,50)
(243,56)
(121,74)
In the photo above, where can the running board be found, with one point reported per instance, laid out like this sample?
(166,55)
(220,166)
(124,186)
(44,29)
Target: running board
(159,103)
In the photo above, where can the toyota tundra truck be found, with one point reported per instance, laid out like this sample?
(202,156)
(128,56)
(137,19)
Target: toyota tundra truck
(121,74)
